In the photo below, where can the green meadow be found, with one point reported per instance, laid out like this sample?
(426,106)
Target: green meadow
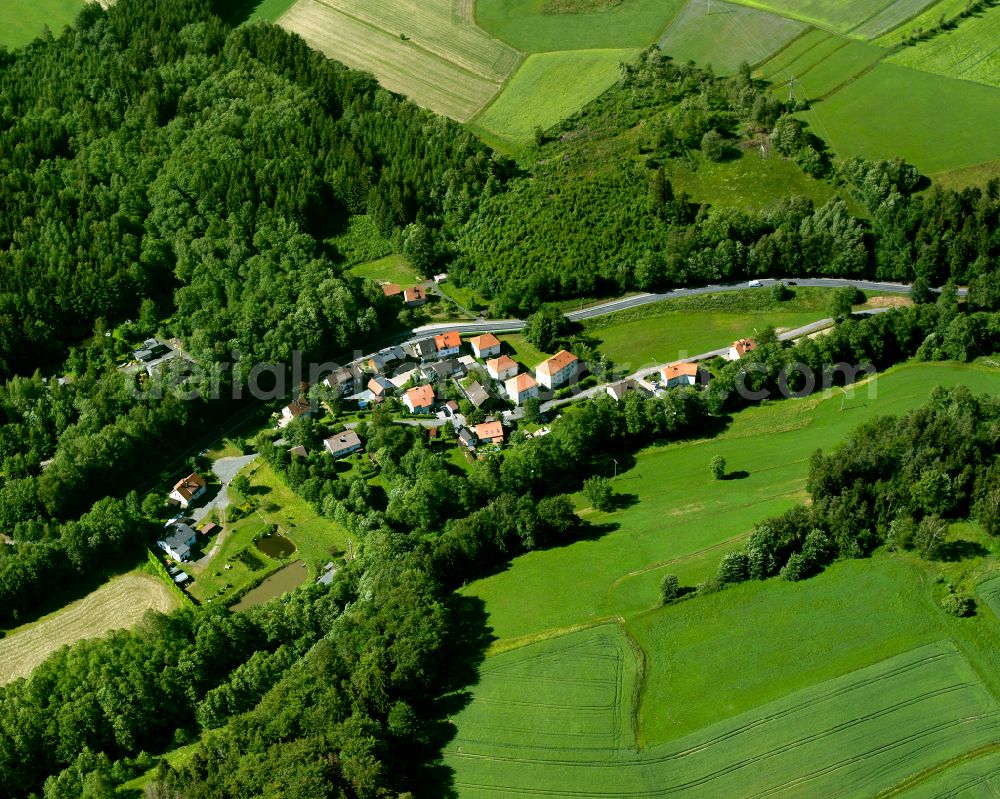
(390,269)
(540,93)
(22,21)
(975,778)
(526,25)
(680,520)
(727,36)
(863,18)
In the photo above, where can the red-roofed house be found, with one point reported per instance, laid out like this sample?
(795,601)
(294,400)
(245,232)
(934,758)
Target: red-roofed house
(741,348)
(188,490)
(485,346)
(489,432)
(448,343)
(557,370)
(521,388)
(414,297)
(679,374)
(502,368)
(419,399)
(391,289)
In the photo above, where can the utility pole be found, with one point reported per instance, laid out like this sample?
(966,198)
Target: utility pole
(709,8)
(791,89)
(616,469)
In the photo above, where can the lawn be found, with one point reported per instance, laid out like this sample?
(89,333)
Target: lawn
(390,269)
(731,34)
(545,722)
(547,88)
(525,25)
(680,520)
(22,21)
(522,350)
(119,603)
(420,48)
(970,52)
(949,123)
(748,182)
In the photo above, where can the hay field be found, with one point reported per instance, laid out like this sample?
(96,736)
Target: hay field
(120,603)
(21,21)
(728,36)
(427,50)
(860,18)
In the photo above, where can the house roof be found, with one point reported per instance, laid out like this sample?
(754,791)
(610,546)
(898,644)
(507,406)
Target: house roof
(390,289)
(557,362)
(208,528)
(451,405)
(179,537)
(414,293)
(485,341)
(675,370)
(299,407)
(342,441)
(447,341)
(489,431)
(379,385)
(523,382)
(299,451)
(190,485)
(622,387)
(502,364)
(421,396)
(465,435)
(339,377)
(476,393)
(743,346)
(423,346)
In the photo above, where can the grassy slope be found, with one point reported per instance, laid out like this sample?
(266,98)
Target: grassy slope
(870,17)
(21,20)
(683,520)
(390,269)
(521,23)
(120,603)
(927,19)
(729,35)
(539,94)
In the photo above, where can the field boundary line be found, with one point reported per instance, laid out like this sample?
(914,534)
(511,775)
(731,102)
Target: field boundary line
(639,689)
(510,644)
(928,773)
(804,32)
(787,15)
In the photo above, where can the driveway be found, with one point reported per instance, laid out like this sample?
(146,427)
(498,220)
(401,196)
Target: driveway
(225,469)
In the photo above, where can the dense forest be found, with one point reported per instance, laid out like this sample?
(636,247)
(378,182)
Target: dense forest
(595,213)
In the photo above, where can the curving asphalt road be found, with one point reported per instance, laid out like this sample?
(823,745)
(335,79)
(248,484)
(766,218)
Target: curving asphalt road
(514,325)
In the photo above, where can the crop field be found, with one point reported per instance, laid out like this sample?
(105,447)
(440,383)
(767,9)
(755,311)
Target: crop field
(524,24)
(424,50)
(540,94)
(21,20)
(823,67)
(728,36)
(927,19)
(850,736)
(975,779)
(862,18)
(950,124)
(120,603)
(970,52)
(682,521)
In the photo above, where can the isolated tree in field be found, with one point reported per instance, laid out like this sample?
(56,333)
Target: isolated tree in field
(713,146)
(958,604)
(718,467)
(544,327)
(788,135)
(670,589)
(842,302)
(930,536)
(242,484)
(598,490)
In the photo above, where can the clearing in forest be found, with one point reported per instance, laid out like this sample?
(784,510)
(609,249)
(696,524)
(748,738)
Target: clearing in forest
(120,603)
(428,50)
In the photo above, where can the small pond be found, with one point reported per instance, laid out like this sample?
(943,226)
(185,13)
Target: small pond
(285,579)
(276,546)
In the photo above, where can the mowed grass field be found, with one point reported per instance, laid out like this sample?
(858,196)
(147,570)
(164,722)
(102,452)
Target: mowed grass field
(428,50)
(731,34)
(120,603)
(979,778)
(22,21)
(523,24)
(861,18)
(849,736)
(390,269)
(970,52)
(821,63)
(681,520)
(547,88)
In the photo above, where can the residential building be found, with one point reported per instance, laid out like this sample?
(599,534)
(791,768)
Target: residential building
(622,388)
(489,432)
(178,543)
(679,374)
(188,489)
(447,343)
(558,370)
(419,399)
(342,444)
(298,452)
(741,348)
(521,388)
(341,380)
(391,290)
(209,529)
(380,386)
(502,368)
(414,297)
(296,408)
(467,437)
(441,370)
(404,376)
(451,407)
(422,348)
(485,346)
(476,394)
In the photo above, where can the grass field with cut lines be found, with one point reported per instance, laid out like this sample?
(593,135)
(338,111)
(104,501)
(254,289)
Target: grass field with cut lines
(426,50)
(861,18)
